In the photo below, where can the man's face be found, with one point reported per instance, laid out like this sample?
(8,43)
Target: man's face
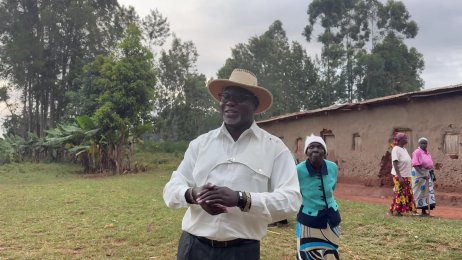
(237,106)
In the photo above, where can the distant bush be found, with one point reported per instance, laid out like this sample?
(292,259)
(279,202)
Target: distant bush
(7,152)
(164,146)
(157,160)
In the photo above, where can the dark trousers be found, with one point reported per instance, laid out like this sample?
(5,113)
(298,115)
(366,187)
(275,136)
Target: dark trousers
(191,248)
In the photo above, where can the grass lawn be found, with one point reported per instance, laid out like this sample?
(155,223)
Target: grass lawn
(51,211)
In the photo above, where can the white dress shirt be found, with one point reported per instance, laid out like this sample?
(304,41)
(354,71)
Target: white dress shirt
(257,162)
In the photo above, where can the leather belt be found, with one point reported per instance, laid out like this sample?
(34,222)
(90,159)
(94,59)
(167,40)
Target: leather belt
(229,243)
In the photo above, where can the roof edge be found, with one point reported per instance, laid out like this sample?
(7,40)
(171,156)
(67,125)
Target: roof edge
(349,106)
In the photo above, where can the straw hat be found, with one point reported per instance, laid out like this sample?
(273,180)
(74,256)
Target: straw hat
(246,80)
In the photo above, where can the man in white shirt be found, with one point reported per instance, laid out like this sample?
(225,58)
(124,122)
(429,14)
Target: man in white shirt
(235,179)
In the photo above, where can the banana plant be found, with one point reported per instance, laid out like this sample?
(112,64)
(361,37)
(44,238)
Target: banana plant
(80,139)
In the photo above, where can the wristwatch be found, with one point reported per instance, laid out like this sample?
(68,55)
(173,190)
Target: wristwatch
(240,199)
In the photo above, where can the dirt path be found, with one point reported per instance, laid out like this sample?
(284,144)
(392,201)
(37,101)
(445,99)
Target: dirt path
(449,205)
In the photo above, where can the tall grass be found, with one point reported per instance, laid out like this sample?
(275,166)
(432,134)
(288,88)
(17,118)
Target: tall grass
(52,211)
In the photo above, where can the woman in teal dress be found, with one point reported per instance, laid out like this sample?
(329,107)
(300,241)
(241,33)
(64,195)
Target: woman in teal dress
(318,220)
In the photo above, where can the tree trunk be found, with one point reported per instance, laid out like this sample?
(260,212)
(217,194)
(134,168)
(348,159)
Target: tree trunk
(37,117)
(29,108)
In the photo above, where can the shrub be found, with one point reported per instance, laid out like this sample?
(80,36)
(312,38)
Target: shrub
(164,146)
(6,152)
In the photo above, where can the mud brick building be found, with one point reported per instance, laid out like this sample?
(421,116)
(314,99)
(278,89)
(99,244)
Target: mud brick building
(358,135)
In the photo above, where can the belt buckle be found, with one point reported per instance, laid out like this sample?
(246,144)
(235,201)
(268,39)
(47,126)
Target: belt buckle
(219,243)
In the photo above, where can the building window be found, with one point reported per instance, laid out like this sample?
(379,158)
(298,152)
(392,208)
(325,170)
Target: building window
(451,144)
(329,138)
(299,145)
(356,142)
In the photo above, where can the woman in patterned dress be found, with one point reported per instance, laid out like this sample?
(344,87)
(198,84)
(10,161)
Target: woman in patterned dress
(403,200)
(422,174)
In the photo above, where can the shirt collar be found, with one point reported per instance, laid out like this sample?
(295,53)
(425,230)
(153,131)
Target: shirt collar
(314,172)
(254,130)
(426,152)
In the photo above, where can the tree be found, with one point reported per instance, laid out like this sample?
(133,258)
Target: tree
(43,47)
(127,100)
(80,139)
(156,28)
(84,101)
(284,69)
(341,39)
(184,108)
(119,91)
(349,27)
(391,68)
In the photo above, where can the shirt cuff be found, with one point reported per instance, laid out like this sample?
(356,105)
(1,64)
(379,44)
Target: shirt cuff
(182,197)
(259,206)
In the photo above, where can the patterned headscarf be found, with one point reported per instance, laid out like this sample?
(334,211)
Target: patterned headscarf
(398,136)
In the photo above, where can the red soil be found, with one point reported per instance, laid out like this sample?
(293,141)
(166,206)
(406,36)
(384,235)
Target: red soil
(448,205)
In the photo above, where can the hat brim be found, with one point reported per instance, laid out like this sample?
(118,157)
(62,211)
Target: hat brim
(265,98)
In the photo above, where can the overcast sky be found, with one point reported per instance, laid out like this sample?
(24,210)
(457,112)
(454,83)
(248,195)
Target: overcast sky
(216,26)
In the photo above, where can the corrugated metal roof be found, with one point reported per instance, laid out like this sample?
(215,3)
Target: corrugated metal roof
(375,101)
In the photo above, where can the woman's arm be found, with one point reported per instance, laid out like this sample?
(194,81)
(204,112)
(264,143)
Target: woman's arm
(398,174)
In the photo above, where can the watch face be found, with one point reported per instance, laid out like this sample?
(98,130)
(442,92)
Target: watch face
(240,200)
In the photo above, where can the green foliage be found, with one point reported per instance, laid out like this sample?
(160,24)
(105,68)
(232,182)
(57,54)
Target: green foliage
(85,122)
(117,97)
(75,138)
(119,93)
(394,18)
(69,135)
(43,47)
(7,153)
(18,149)
(164,147)
(391,68)
(71,58)
(128,95)
(80,140)
(155,27)
(347,70)
(184,108)
(84,101)
(284,69)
